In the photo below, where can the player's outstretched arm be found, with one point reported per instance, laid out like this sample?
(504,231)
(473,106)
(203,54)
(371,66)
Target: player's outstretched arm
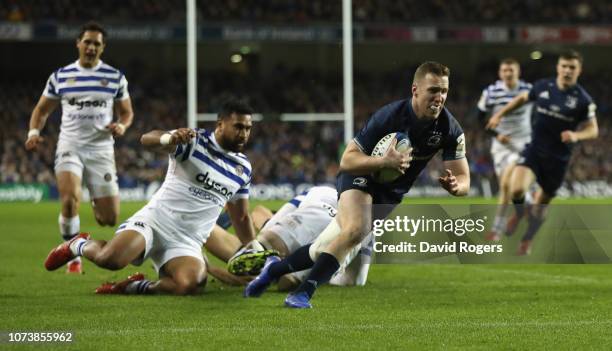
(222,244)
(167,140)
(39,116)
(515,103)
(456,178)
(241,220)
(590,130)
(355,162)
(125,116)
(226,277)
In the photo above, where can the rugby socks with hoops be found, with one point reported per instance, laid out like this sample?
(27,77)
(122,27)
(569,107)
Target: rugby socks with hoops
(77,246)
(299,260)
(321,273)
(139,287)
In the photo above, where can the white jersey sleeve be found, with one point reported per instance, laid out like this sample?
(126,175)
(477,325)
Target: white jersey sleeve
(482,102)
(122,90)
(50,90)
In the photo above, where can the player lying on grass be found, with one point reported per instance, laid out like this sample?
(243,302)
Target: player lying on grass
(206,172)
(297,223)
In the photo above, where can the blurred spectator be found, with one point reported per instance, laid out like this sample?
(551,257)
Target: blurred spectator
(280,152)
(303,11)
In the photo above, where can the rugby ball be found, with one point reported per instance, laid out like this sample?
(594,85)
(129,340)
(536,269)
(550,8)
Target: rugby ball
(387,175)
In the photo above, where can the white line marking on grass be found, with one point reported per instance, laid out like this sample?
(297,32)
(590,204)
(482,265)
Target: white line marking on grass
(552,277)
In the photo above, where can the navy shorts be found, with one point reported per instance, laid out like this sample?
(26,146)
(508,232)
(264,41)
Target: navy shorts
(549,171)
(384,197)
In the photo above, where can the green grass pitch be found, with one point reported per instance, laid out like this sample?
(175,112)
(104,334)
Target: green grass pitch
(404,307)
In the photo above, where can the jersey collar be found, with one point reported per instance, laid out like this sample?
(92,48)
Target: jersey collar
(81,68)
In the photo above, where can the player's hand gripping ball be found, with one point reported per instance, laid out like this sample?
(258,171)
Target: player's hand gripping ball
(387,175)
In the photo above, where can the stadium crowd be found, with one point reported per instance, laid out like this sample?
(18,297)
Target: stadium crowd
(281,152)
(301,11)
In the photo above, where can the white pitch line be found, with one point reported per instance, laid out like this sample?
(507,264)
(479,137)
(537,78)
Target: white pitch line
(557,277)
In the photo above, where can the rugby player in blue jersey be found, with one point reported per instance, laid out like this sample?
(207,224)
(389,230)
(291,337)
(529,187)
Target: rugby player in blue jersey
(90,92)
(431,128)
(564,115)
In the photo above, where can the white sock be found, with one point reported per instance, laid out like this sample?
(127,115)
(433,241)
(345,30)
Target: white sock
(138,287)
(499,224)
(255,245)
(77,246)
(69,226)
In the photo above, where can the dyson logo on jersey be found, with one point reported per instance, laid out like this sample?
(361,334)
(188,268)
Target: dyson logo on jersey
(210,184)
(87,103)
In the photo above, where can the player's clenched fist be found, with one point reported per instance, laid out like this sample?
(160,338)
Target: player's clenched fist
(33,141)
(182,136)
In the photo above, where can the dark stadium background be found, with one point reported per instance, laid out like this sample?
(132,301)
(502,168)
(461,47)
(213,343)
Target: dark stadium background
(291,61)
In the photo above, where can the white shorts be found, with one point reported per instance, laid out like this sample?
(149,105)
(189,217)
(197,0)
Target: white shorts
(163,240)
(96,169)
(506,154)
(300,227)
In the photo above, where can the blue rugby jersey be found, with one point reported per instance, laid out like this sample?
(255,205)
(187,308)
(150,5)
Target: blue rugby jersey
(427,137)
(556,111)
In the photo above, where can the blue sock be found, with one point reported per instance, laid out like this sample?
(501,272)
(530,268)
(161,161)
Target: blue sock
(534,222)
(321,273)
(299,260)
(519,206)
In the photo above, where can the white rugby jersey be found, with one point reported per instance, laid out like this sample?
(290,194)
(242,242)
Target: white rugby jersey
(201,178)
(319,200)
(320,195)
(516,124)
(87,96)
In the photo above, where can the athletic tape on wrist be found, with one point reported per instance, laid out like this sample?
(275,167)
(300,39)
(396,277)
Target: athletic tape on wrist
(165,139)
(33,132)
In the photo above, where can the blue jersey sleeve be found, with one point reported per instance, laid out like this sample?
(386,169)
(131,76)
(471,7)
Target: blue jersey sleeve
(380,124)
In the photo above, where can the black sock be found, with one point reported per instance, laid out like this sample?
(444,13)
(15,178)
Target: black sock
(299,260)
(321,273)
(519,206)
(533,225)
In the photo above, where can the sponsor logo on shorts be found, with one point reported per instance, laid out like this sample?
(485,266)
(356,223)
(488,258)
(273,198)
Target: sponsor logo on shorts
(66,154)
(139,224)
(360,181)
